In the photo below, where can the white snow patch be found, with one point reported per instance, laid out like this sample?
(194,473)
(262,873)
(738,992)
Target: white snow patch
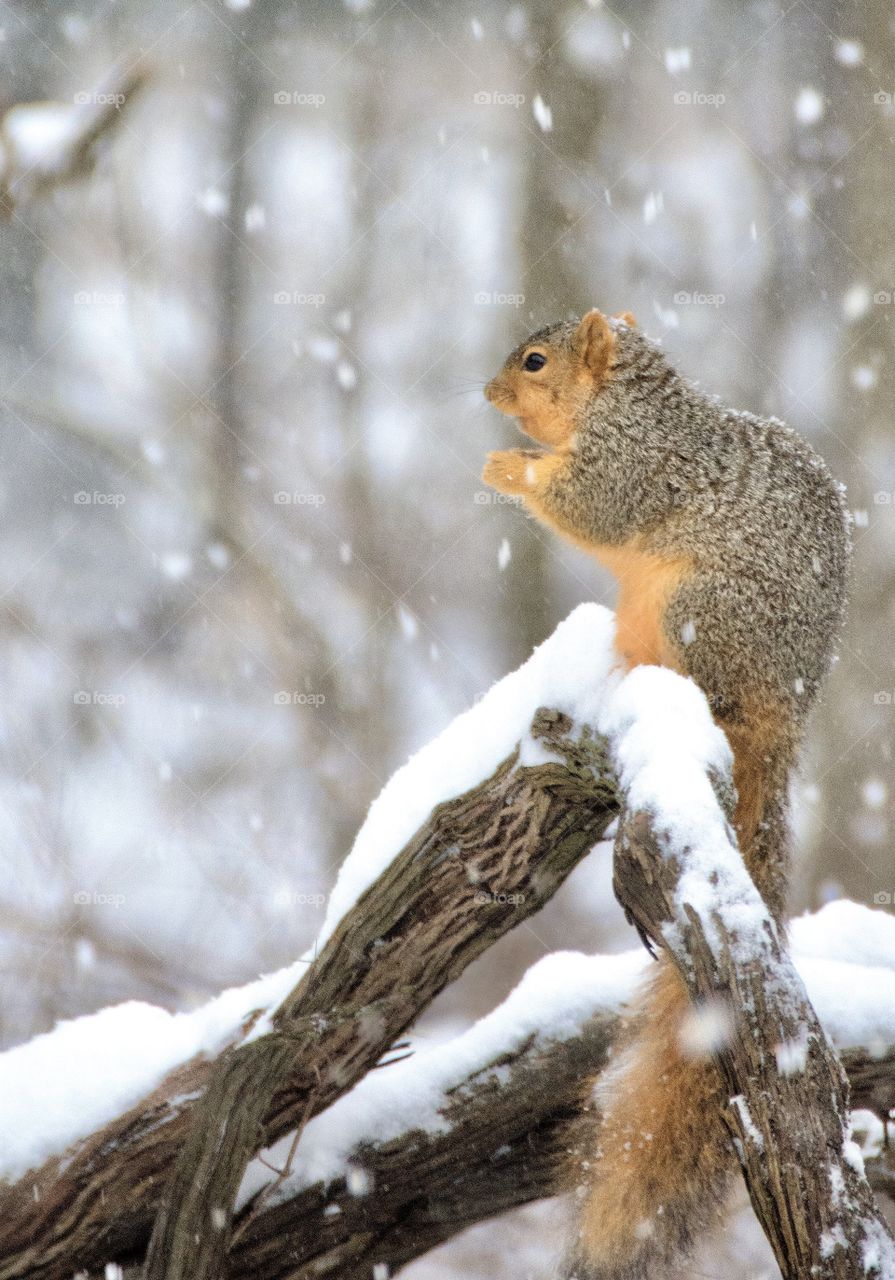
(552,1002)
(792,1055)
(749,1126)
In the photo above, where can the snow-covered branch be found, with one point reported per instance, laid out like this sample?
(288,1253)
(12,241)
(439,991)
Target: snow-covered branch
(681,879)
(471,836)
(44,144)
(467,840)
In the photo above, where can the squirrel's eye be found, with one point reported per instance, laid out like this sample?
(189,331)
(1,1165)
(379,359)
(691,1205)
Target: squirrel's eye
(534,362)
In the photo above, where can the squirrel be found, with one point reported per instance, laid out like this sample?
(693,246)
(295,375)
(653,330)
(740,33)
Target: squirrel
(730,543)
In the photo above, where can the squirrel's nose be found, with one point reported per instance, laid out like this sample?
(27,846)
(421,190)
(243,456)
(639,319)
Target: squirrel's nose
(491,389)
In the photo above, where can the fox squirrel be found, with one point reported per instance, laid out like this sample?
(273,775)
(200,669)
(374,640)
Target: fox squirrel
(730,542)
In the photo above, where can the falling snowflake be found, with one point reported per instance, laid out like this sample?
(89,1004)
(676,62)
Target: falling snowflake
(213,201)
(856,302)
(542,114)
(346,375)
(175,565)
(255,218)
(409,625)
(677,60)
(850,53)
(809,106)
(653,206)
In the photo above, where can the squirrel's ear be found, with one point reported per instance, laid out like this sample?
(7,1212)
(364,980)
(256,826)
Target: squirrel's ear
(594,342)
(628,318)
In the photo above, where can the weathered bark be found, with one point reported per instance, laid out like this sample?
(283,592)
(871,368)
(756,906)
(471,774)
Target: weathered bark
(507,1144)
(479,864)
(482,863)
(788,1093)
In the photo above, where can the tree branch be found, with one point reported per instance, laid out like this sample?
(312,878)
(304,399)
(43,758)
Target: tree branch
(479,865)
(684,885)
(502,1128)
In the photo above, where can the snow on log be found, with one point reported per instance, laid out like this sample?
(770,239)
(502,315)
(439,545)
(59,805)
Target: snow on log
(471,836)
(680,878)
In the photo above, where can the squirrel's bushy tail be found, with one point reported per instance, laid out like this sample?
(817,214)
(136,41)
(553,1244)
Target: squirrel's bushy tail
(663,1159)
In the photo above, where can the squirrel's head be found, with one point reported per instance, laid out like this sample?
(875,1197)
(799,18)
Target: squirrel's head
(550,377)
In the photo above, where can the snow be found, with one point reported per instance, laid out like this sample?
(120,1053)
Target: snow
(41,135)
(552,1002)
(850,53)
(856,302)
(846,931)
(664,741)
(809,106)
(578,655)
(114,1058)
(677,60)
(746,1120)
(62,1086)
(542,114)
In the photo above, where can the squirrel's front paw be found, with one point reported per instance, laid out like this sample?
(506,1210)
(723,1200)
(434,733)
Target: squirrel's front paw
(510,470)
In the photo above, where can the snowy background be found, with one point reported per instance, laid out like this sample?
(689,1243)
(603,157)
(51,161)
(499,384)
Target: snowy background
(248,564)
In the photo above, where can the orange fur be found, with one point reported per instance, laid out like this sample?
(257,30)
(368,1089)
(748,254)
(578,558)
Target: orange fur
(546,401)
(646,581)
(660,1150)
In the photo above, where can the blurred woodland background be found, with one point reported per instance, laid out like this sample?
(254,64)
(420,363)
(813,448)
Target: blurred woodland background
(247,562)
